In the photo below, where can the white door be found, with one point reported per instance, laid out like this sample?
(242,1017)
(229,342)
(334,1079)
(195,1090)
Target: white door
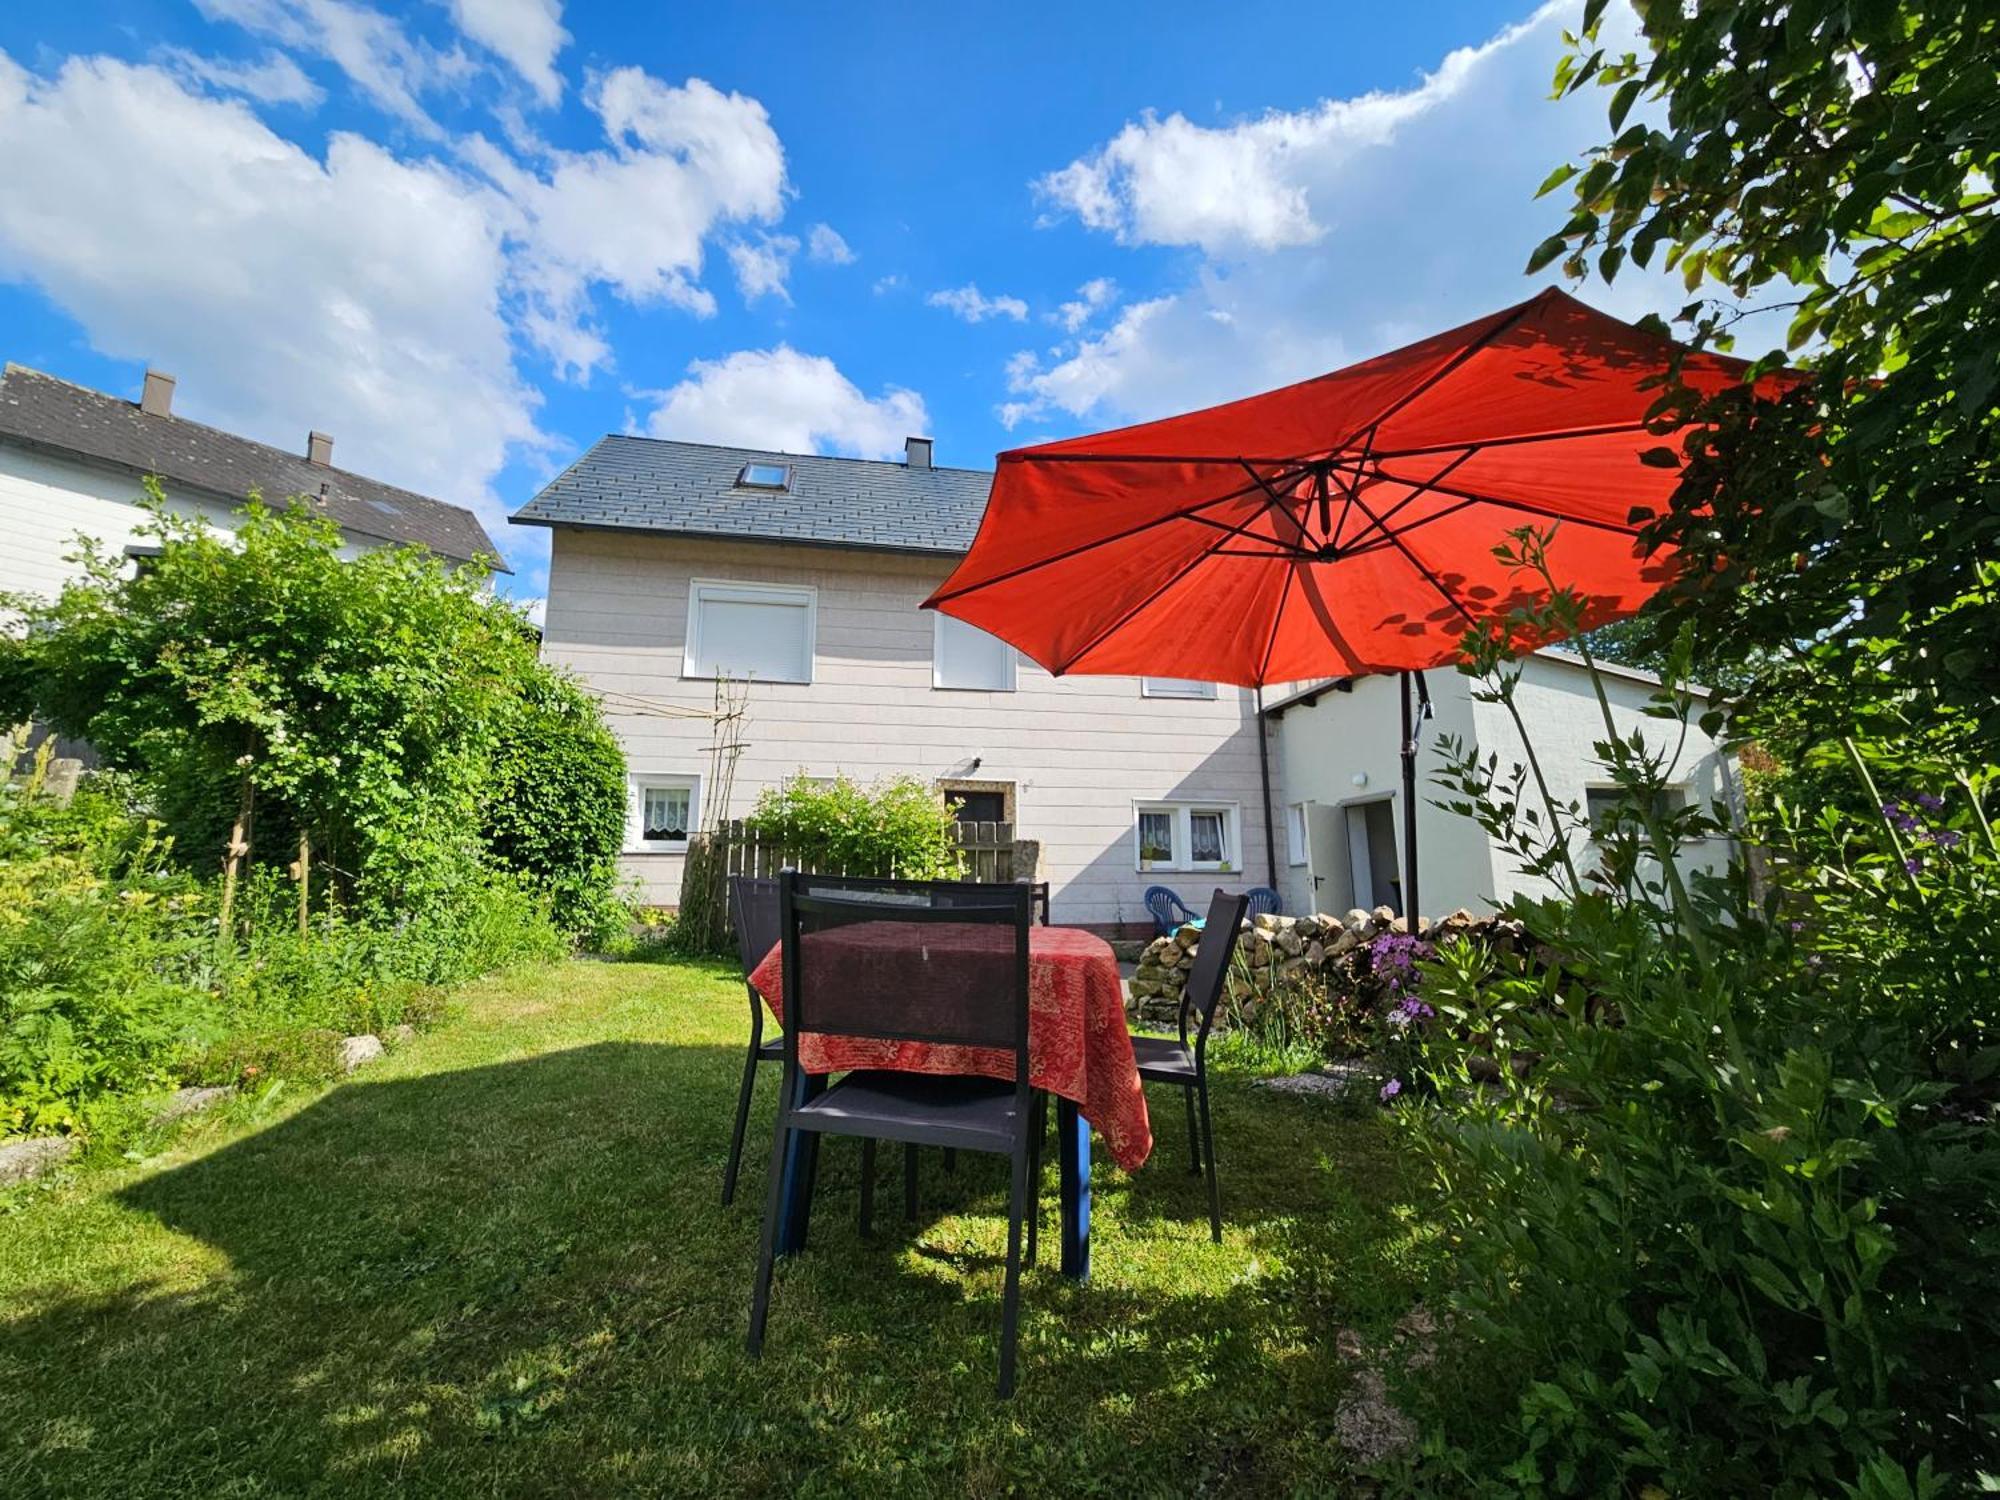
(1326,857)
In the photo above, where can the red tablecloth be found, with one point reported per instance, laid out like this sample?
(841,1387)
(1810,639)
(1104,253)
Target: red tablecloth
(1078,1044)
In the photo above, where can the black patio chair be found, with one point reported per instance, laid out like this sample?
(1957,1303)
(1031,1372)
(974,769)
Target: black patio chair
(956,973)
(753,911)
(1164,1060)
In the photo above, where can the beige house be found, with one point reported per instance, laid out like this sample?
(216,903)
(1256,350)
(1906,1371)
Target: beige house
(673,563)
(1338,750)
(73,461)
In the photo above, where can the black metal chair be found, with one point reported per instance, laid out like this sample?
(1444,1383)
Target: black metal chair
(753,911)
(1163,1060)
(957,973)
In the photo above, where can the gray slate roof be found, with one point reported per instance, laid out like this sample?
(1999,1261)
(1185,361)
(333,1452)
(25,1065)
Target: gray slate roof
(39,411)
(690,489)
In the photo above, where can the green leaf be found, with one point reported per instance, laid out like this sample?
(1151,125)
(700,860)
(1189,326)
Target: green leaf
(1556,179)
(1545,252)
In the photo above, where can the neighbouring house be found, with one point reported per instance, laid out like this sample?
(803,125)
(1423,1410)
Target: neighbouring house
(673,563)
(72,461)
(1338,744)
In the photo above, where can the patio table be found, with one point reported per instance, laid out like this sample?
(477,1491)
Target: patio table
(1079,1049)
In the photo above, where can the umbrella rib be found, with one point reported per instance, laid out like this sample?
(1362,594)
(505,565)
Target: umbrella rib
(1428,486)
(1558,434)
(1500,325)
(1531,508)
(1125,619)
(1192,512)
(1277,620)
(1418,563)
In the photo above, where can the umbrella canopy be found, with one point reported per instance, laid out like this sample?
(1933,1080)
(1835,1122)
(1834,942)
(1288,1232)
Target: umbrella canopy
(1341,526)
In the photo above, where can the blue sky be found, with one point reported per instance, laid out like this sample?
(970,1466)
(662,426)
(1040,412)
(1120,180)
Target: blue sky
(467,237)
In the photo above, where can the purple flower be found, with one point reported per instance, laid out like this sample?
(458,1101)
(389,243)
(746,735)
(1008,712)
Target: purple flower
(1796,925)
(1930,803)
(1947,838)
(1391,1089)
(1914,865)
(1899,817)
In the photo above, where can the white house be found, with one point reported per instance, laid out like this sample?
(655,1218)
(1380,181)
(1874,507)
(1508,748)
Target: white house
(72,461)
(675,562)
(1338,747)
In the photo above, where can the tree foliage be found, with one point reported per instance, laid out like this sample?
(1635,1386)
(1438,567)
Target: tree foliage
(897,827)
(1837,161)
(386,708)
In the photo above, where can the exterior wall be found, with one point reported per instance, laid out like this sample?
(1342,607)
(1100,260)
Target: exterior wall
(1079,751)
(1358,733)
(46,501)
(1563,716)
(1324,746)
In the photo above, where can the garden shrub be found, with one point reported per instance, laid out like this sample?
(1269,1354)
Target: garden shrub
(1721,1180)
(899,826)
(555,806)
(386,708)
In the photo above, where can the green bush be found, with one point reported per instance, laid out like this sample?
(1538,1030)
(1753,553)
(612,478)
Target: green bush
(898,826)
(387,709)
(1720,1175)
(555,806)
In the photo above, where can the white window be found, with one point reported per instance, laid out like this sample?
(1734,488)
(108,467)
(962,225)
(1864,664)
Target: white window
(755,630)
(1601,804)
(964,656)
(1175,687)
(661,813)
(1186,836)
(1295,833)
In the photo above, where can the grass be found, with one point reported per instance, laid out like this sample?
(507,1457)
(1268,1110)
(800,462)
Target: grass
(497,1263)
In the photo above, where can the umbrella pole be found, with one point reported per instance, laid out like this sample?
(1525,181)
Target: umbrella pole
(1410,907)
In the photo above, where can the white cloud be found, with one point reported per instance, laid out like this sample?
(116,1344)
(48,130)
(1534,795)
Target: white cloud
(1252,185)
(1091,297)
(886,284)
(359,294)
(1372,222)
(272,79)
(780,398)
(527,34)
(824,242)
(683,161)
(388,65)
(973,306)
(762,265)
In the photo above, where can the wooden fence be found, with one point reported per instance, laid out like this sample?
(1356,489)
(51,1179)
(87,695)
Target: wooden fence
(985,849)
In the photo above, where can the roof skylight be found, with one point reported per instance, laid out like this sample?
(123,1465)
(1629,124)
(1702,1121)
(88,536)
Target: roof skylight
(757,476)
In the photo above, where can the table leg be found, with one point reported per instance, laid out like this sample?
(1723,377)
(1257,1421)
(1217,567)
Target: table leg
(801,1162)
(1073,1153)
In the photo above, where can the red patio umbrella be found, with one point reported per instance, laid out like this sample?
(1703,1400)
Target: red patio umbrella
(1341,526)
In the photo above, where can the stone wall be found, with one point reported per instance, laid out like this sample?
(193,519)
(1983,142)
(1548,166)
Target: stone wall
(1337,956)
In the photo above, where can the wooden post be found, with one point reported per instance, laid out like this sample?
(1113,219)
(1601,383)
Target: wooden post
(302,873)
(239,843)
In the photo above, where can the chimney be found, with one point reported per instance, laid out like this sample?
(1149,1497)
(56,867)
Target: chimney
(319,448)
(157,398)
(917,452)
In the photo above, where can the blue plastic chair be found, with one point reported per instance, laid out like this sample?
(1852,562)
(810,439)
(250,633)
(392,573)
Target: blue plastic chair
(1170,913)
(1264,899)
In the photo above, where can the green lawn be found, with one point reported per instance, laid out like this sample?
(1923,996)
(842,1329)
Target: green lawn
(497,1263)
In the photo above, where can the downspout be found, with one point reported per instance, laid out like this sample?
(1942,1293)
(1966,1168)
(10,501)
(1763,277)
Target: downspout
(1264,770)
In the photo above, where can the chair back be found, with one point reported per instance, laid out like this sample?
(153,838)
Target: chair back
(1169,912)
(753,912)
(903,960)
(1264,900)
(1211,961)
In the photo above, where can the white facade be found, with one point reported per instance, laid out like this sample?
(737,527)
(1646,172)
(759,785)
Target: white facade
(47,501)
(855,678)
(1341,767)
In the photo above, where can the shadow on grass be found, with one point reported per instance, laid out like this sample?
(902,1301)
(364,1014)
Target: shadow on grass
(520,1278)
